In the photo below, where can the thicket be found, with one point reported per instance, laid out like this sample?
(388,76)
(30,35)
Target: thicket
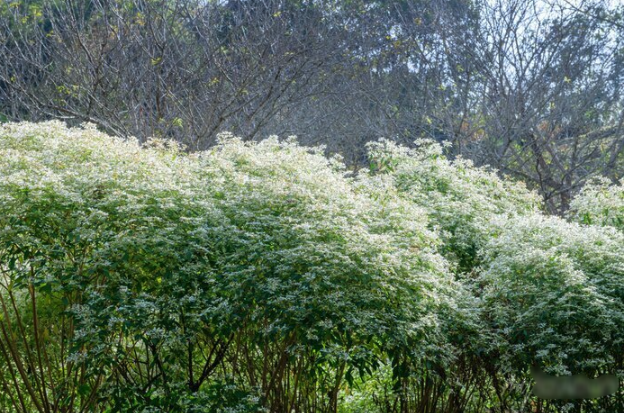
(264,276)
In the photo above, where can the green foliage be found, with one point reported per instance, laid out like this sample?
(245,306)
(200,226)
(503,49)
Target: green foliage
(554,290)
(161,265)
(459,198)
(263,277)
(599,203)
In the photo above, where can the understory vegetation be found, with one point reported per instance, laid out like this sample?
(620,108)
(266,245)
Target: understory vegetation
(267,277)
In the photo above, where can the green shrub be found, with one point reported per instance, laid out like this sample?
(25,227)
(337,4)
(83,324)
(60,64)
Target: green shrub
(262,277)
(459,198)
(154,275)
(599,203)
(553,296)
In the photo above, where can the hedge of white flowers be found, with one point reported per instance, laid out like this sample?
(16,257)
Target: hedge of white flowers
(266,277)
(599,203)
(460,199)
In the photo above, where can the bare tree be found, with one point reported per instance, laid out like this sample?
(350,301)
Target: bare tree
(530,87)
(174,68)
(551,101)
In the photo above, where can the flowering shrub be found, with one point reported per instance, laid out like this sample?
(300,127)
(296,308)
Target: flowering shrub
(262,277)
(155,275)
(553,294)
(599,203)
(100,236)
(549,292)
(460,199)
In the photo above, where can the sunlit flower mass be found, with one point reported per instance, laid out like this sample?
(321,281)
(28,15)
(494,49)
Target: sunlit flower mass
(259,276)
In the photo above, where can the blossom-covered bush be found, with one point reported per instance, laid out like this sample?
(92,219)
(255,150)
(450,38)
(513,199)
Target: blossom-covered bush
(553,294)
(100,235)
(549,293)
(599,203)
(259,277)
(460,199)
(138,279)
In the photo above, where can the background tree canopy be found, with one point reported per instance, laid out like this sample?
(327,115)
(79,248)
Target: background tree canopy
(530,87)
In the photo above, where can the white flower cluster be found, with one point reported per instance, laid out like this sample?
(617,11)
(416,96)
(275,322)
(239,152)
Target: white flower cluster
(557,288)
(599,203)
(256,250)
(462,202)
